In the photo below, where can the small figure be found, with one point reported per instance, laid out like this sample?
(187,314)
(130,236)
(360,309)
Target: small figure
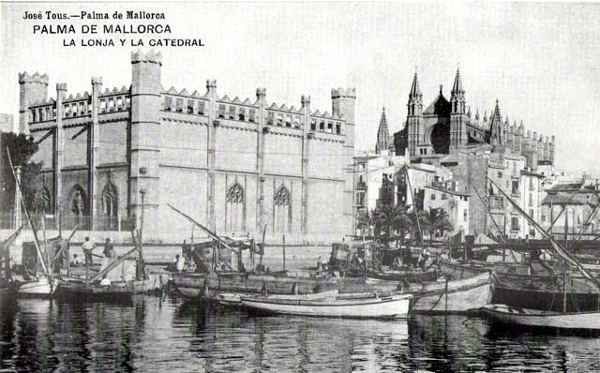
(179,263)
(87,247)
(75,262)
(109,249)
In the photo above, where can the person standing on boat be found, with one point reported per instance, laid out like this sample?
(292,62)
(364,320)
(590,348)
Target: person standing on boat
(109,249)
(87,247)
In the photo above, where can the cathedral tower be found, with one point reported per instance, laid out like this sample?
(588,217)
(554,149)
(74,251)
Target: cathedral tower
(383,135)
(458,115)
(414,120)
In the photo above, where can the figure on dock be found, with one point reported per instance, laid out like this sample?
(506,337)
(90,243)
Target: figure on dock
(109,249)
(87,247)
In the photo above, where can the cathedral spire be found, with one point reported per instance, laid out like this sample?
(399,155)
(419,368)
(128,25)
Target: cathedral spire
(457,97)
(415,89)
(383,135)
(458,86)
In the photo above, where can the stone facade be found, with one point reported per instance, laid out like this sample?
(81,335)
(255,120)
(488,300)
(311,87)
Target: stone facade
(234,165)
(447,126)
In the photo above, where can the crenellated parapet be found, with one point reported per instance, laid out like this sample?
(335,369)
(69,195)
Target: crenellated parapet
(146,57)
(246,110)
(343,93)
(36,78)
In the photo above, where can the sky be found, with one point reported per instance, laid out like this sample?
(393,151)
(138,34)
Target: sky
(540,60)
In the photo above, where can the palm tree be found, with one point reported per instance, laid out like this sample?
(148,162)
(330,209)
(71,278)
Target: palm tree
(401,221)
(365,221)
(441,222)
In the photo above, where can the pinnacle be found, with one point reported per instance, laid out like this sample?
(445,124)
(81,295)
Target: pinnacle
(415,89)
(457,87)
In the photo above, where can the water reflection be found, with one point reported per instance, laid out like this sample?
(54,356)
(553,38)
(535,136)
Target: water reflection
(152,334)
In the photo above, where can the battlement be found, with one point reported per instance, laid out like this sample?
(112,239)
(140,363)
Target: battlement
(35,78)
(96,80)
(343,93)
(149,57)
(61,87)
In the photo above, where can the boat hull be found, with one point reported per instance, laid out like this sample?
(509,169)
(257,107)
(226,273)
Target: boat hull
(389,307)
(235,299)
(116,290)
(192,285)
(36,288)
(529,291)
(455,296)
(541,319)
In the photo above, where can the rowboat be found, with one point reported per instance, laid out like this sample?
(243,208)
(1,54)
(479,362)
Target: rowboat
(462,295)
(543,319)
(39,287)
(387,307)
(76,289)
(235,299)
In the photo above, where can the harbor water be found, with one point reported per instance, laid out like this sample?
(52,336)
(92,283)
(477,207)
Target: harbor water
(168,334)
(151,334)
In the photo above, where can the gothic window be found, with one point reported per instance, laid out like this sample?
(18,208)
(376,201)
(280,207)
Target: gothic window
(32,116)
(296,121)
(235,209)
(279,119)
(78,205)
(270,117)
(119,102)
(330,127)
(110,205)
(44,201)
(322,126)
(190,106)
(282,211)
(288,120)
(251,115)
(338,128)
(179,105)
(313,125)
(109,200)
(168,103)
(242,114)
(201,106)
(232,112)
(221,111)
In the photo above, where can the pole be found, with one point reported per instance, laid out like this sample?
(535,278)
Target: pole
(142,269)
(284,252)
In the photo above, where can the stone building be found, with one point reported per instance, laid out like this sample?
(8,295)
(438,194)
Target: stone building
(235,165)
(447,126)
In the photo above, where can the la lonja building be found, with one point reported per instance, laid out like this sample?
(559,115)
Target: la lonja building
(235,165)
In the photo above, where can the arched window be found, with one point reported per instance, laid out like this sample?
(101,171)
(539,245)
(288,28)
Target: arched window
(110,203)
(282,210)
(43,201)
(235,209)
(78,207)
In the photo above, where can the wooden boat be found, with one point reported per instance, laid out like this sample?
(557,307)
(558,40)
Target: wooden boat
(76,288)
(235,299)
(38,287)
(460,295)
(193,284)
(543,319)
(387,307)
(529,291)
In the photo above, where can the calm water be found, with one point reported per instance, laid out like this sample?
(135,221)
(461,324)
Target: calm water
(168,335)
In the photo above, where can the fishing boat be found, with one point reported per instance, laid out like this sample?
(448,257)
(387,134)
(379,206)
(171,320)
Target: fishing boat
(36,287)
(235,299)
(395,306)
(461,295)
(543,319)
(218,268)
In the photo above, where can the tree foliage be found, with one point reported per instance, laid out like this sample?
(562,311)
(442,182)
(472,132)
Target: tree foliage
(21,148)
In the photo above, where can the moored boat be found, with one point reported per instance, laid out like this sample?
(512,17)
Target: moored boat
(530,291)
(235,299)
(395,306)
(543,319)
(461,295)
(38,287)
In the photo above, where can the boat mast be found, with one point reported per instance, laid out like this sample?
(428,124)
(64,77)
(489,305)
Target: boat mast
(33,230)
(556,246)
(414,204)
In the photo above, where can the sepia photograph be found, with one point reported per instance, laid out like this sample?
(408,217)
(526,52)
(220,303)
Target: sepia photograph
(299,186)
